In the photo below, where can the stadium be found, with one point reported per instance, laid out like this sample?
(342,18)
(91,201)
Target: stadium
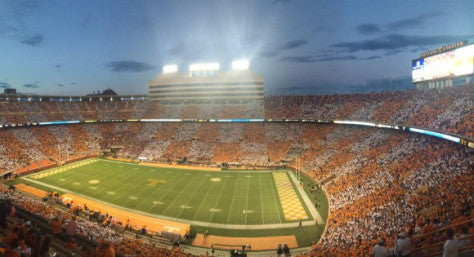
(207,164)
(218,175)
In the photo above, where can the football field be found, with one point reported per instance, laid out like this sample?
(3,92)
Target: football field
(194,196)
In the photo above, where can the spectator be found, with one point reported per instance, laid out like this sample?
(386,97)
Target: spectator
(403,245)
(379,249)
(105,250)
(451,247)
(56,225)
(71,227)
(464,237)
(5,210)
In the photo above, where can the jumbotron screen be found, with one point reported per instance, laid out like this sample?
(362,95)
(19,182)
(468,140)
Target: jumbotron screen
(454,63)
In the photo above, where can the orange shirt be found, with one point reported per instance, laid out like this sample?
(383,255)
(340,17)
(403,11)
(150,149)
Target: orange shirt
(56,226)
(107,252)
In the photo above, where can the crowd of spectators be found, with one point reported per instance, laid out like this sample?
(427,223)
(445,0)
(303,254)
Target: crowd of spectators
(381,184)
(69,232)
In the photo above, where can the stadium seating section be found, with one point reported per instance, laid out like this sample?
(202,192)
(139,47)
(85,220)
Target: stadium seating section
(379,182)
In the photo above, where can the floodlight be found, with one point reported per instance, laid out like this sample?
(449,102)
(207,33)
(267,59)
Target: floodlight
(170,68)
(242,64)
(211,66)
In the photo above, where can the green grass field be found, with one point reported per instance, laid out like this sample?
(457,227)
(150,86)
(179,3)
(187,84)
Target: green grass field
(227,197)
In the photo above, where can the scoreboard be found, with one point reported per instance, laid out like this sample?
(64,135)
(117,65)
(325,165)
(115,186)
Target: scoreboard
(449,64)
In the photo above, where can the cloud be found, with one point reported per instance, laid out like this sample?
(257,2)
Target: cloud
(34,40)
(337,58)
(268,54)
(129,66)
(313,59)
(13,22)
(324,58)
(413,21)
(420,50)
(298,59)
(4,85)
(393,52)
(60,85)
(32,85)
(398,41)
(368,29)
(370,57)
(294,44)
(372,28)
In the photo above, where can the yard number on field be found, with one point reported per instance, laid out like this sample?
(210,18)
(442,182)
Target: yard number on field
(153,182)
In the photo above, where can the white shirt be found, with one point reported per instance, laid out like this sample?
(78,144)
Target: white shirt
(380,251)
(451,247)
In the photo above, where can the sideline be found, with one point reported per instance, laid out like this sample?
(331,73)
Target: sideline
(178,166)
(135,220)
(257,243)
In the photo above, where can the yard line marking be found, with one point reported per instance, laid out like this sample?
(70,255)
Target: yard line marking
(275,196)
(166,208)
(203,200)
(232,201)
(151,195)
(247,200)
(84,174)
(128,191)
(189,221)
(108,173)
(168,191)
(217,203)
(261,196)
(191,197)
(158,189)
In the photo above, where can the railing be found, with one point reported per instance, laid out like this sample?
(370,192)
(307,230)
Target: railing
(431,244)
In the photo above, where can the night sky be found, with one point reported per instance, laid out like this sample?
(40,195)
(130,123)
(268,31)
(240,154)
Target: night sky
(299,46)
